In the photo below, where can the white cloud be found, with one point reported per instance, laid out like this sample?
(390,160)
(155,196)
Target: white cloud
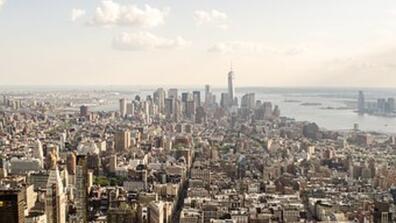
(2,2)
(111,13)
(146,41)
(240,46)
(76,14)
(253,48)
(213,17)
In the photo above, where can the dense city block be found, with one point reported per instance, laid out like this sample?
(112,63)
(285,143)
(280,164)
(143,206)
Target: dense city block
(183,156)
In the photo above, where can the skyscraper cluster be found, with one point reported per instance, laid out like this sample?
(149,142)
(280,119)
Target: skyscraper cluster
(382,106)
(177,155)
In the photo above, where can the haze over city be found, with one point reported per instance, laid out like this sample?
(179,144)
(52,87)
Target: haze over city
(200,111)
(135,42)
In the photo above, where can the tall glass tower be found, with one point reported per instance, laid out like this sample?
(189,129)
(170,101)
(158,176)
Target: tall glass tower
(361,103)
(231,90)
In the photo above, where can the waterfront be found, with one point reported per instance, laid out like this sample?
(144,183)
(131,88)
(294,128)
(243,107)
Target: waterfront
(330,108)
(291,100)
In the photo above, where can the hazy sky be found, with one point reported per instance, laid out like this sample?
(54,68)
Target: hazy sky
(192,42)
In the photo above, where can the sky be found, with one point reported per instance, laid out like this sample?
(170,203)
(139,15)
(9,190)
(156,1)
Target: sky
(270,43)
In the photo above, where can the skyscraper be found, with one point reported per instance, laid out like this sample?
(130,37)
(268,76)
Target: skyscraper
(190,109)
(52,156)
(391,105)
(361,103)
(122,140)
(71,163)
(248,101)
(113,163)
(159,99)
(186,96)
(224,100)
(267,106)
(231,90)
(381,104)
(55,203)
(12,205)
(177,110)
(169,107)
(81,198)
(123,107)
(173,93)
(208,95)
(3,169)
(130,110)
(38,152)
(197,98)
(83,110)
(200,116)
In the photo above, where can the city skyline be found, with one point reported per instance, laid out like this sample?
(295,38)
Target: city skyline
(209,111)
(176,155)
(282,44)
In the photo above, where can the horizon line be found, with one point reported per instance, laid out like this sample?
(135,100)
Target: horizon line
(188,86)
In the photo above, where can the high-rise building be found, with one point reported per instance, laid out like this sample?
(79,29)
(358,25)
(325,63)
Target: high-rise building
(71,163)
(190,109)
(3,168)
(169,107)
(208,95)
(159,99)
(173,93)
(390,105)
(186,96)
(263,111)
(38,152)
(248,101)
(231,89)
(130,110)
(123,107)
(276,113)
(113,163)
(361,103)
(267,110)
(197,98)
(55,202)
(381,105)
(52,156)
(210,98)
(146,111)
(81,198)
(93,162)
(83,110)
(153,108)
(200,116)
(213,99)
(177,110)
(224,100)
(382,212)
(12,205)
(122,140)
(156,210)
